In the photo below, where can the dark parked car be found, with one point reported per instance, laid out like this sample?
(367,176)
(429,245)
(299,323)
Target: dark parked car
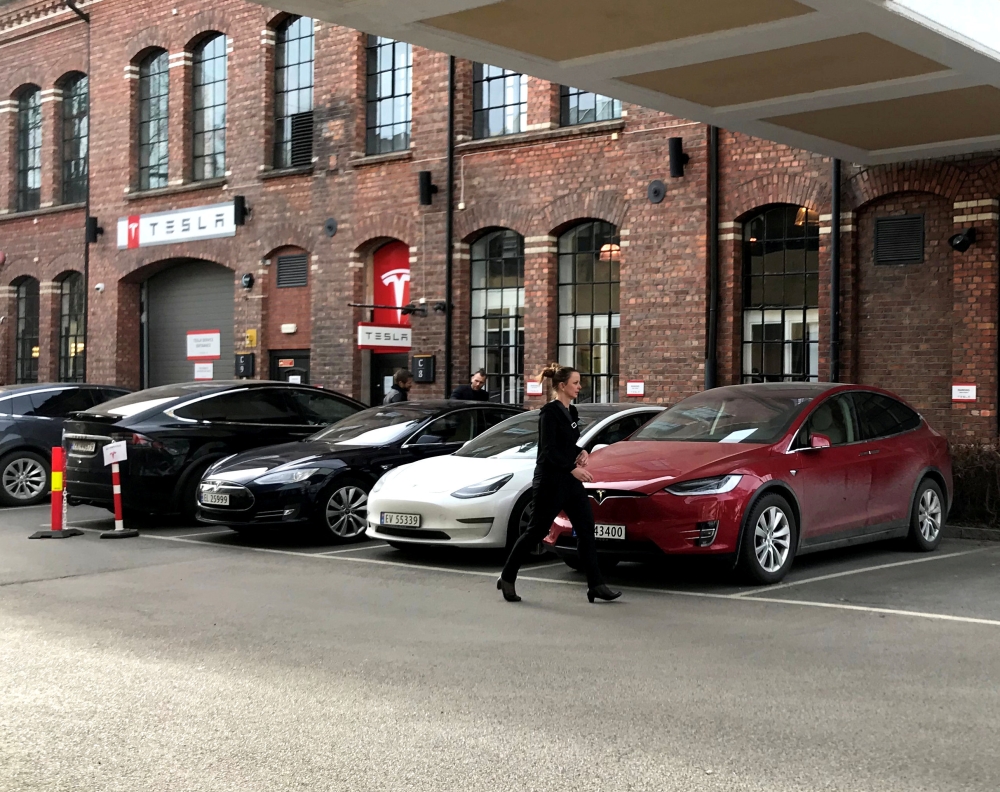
(174,432)
(326,479)
(764,472)
(31,425)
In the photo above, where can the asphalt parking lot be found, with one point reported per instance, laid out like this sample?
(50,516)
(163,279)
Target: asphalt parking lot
(191,658)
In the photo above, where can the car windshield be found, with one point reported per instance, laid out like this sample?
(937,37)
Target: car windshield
(515,438)
(735,414)
(376,426)
(140,401)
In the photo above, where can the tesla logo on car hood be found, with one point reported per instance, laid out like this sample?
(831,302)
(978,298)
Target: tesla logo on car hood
(211,486)
(599,496)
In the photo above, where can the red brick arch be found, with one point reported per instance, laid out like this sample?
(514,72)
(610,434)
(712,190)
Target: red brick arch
(474,220)
(779,188)
(607,205)
(989,178)
(287,235)
(381,226)
(938,178)
(137,47)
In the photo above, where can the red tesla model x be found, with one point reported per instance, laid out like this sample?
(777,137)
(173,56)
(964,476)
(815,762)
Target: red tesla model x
(763,472)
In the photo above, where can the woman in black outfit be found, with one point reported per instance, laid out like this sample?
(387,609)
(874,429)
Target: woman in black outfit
(560,471)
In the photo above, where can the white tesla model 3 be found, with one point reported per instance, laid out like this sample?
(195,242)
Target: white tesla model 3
(481,495)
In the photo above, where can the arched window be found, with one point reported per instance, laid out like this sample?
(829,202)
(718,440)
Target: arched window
(154,91)
(210,108)
(589,318)
(29,149)
(390,69)
(500,101)
(293,94)
(781,295)
(584,107)
(26,332)
(498,313)
(75,134)
(71,329)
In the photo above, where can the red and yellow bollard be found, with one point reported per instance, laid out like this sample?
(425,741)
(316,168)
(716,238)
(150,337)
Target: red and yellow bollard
(57,513)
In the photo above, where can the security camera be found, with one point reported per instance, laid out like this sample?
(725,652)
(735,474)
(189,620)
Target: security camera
(961,242)
(99,287)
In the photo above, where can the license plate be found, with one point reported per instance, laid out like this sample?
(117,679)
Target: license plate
(406,520)
(603,531)
(83,448)
(214,499)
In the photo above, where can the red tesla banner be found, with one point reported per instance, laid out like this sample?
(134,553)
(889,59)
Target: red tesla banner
(392,284)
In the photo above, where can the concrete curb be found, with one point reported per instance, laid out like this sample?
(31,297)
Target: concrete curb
(976,532)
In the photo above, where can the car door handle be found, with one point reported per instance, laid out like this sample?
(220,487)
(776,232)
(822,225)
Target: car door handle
(868,453)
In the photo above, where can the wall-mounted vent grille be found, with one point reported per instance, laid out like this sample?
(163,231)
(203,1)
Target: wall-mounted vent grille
(293,271)
(302,139)
(899,240)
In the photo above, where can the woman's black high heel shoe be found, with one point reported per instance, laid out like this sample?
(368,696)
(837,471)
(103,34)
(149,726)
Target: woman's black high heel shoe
(601,592)
(508,590)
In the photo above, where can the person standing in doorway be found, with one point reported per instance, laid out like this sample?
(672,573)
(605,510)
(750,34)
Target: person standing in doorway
(402,381)
(475,390)
(560,472)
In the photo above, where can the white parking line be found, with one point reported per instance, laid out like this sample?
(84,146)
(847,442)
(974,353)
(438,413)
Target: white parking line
(548,566)
(351,549)
(754,592)
(23,508)
(558,582)
(208,533)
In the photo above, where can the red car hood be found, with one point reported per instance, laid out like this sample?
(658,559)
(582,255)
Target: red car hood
(648,466)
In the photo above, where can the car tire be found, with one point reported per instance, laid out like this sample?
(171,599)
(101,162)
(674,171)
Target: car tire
(769,541)
(604,564)
(189,491)
(342,510)
(520,516)
(927,516)
(24,478)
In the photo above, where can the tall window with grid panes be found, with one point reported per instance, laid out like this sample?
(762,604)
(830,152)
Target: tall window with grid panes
(154,88)
(210,100)
(781,295)
(293,93)
(29,149)
(389,89)
(584,107)
(75,137)
(500,101)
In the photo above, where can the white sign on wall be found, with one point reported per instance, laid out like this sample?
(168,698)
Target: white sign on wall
(534,388)
(635,388)
(963,393)
(376,337)
(204,371)
(181,225)
(204,344)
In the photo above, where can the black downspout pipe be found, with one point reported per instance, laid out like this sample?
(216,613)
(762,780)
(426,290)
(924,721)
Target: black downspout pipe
(712,333)
(449,230)
(71,5)
(835,275)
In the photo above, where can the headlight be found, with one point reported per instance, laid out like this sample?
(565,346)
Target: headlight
(718,485)
(287,476)
(487,487)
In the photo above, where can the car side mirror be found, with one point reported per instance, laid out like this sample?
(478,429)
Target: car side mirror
(819,441)
(598,447)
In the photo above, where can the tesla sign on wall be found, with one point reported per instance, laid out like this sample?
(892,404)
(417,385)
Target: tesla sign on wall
(182,225)
(390,330)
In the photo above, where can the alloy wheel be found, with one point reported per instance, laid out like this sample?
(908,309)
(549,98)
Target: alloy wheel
(24,479)
(772,539)
(347,511)
(929,515)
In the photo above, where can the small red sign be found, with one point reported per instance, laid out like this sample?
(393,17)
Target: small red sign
(286,363)
(133,231)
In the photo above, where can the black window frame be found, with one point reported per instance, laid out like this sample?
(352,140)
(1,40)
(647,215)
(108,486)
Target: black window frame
(153,128)
(29,149)
(26,337)
(488,108)
(769,294)
(584,245)
(901,428)
(384,57)
(503,360)
(75,138)
(208,122)
(72,328)
(294,82)
(569,107)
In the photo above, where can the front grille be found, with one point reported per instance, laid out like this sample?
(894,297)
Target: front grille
(412,533)
(240,498)
(601,495)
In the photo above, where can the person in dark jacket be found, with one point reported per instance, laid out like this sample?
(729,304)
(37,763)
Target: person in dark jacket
(475,391)
(402,381)
(560,472)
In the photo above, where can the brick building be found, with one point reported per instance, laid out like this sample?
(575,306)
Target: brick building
(559,250)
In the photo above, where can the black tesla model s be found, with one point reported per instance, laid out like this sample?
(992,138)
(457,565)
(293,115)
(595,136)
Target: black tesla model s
(325,480)
(174,432)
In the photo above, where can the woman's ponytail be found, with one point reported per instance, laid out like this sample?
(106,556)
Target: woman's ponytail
(556,374)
